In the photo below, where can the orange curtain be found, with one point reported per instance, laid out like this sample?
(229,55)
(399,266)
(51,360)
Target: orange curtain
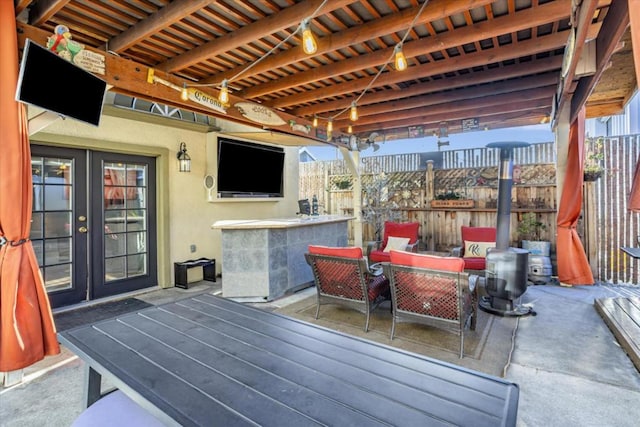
(573,266)
(27,331)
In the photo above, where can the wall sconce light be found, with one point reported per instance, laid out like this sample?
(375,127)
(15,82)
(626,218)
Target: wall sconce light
(184,160)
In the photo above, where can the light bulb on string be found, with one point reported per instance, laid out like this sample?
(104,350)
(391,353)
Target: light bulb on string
(400,60)
(330,126)
(184,94)
(315,121)
(350,129)
(223,96)
(309,44)
(353,114)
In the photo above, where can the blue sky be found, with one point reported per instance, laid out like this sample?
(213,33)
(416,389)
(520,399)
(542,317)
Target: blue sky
(531,134)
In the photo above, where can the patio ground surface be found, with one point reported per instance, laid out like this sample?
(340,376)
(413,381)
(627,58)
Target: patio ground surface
(570,369)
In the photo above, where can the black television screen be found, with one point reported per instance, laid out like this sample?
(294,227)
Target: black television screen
(55,84)
(249,170)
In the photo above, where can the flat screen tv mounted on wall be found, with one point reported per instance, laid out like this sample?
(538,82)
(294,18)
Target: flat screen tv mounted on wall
(246,169)
(55,84)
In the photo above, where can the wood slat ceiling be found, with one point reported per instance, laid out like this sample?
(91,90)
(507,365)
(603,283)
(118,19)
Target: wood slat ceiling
(497,61)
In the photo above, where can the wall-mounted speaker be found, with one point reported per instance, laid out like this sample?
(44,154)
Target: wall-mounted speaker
(209,183)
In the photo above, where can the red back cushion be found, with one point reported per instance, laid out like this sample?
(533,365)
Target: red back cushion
(348,252)
(427,261)
(478,234)
(398,229)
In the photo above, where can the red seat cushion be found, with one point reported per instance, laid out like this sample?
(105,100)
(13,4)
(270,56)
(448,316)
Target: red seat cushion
(400,229)
(427,261)
(379,256)
(475,263)
(476,234)
(345,252)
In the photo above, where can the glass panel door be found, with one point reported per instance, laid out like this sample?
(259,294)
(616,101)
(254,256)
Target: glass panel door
(59,222)
(126,240)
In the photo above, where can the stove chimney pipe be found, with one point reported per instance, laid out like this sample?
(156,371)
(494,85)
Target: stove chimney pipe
(505,183)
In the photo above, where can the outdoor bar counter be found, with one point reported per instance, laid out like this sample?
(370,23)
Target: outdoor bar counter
(264,259)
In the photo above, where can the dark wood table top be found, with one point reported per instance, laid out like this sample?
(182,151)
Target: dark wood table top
(209,361)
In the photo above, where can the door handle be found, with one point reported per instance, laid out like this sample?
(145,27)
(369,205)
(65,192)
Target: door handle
(82,229)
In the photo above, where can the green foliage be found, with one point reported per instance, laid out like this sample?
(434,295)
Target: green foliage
(449,195)
(529,228)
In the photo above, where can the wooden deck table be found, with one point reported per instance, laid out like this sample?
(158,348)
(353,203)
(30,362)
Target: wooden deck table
(207,361)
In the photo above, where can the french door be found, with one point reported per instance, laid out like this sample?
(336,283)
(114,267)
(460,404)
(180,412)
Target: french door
(93,226)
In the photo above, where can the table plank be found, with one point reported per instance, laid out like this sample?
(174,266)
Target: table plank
(207,358)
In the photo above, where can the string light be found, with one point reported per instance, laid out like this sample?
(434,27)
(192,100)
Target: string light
(330,126)
(350,129)
(309,44)
(223,96)
(400,60)
(315,121)
(184,94)
(353,114)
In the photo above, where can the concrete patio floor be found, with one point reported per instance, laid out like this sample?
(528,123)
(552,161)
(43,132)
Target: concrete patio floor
(569,367)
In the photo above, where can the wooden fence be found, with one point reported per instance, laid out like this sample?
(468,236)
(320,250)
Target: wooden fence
(400,187)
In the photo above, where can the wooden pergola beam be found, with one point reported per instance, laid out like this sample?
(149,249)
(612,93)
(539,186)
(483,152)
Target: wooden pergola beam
(163,18)
(436,9)
(45,9)
(416,109)
(473,112)
(518,88)
(612,30)
(291,16)
(507,24)
(478,59)
(549,66)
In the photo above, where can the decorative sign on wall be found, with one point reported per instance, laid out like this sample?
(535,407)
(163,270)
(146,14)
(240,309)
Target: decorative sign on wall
(469,125)
(259,114)
(206,100)
(62,44)
(416,131)
(299,127)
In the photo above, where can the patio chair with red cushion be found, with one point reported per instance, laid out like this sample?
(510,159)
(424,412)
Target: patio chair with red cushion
(475,243)
(398,236)
(432,290)
(342,276)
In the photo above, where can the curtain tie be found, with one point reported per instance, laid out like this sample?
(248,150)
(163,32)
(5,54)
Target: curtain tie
(18,243)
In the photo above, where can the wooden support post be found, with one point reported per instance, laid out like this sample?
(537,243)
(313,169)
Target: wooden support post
(430,194)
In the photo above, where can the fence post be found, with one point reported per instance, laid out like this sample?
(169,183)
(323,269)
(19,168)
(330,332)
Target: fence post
(430,194)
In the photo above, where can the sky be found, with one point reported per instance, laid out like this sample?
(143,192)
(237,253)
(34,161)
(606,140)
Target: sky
(457,141)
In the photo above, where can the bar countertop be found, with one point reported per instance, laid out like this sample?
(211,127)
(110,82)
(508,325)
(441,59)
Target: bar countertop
(243,224)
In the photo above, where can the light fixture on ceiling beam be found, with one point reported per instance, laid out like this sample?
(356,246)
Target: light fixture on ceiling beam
(353,114)
(223,96)
(400,59)
(309,44)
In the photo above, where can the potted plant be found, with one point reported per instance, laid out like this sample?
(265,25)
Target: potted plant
(530,230)
(593,160)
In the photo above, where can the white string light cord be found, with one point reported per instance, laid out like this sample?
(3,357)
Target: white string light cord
(253,64)
(389,60)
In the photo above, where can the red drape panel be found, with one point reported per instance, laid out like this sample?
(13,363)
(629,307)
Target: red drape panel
(27,331)
(573,266)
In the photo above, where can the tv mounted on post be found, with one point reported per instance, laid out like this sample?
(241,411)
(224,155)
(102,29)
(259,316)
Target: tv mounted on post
(55,84)
(247,169)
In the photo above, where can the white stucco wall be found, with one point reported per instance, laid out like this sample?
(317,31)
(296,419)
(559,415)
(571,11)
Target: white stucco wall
(184,214)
